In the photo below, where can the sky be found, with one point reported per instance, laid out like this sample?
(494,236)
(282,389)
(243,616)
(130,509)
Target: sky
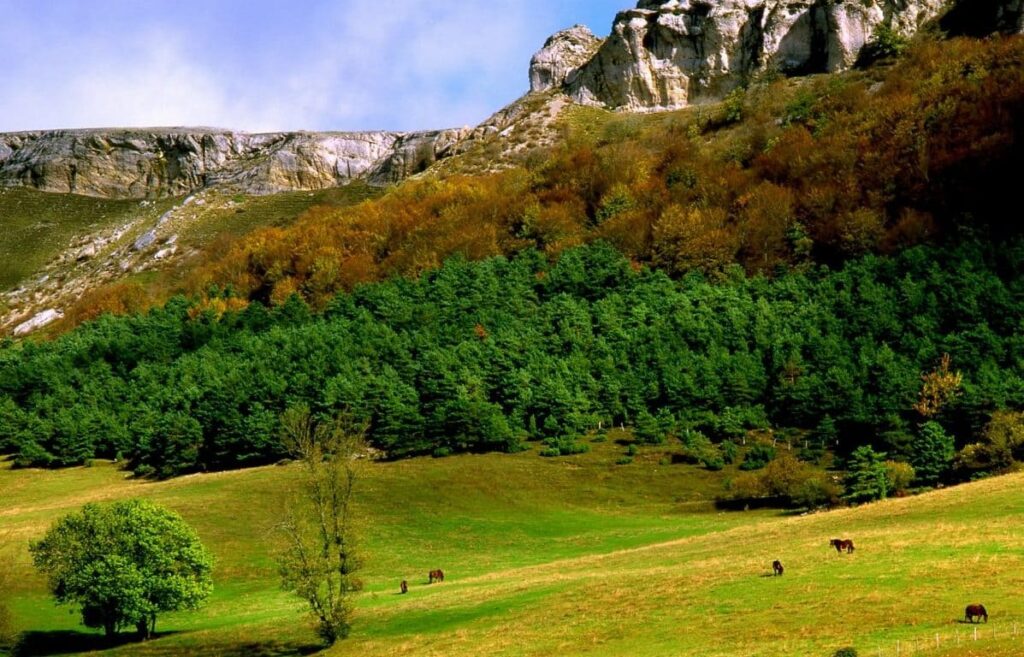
(266,65)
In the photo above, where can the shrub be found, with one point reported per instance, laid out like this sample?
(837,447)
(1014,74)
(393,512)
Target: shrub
(730,451)
(624,460)
(845,652)
(758,457)
(899,476)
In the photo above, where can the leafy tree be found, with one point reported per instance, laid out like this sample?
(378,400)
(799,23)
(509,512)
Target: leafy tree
(319,558)
(933,452)
(866,475)
(124,563)
(1001,444)
(939,387)
(898,477)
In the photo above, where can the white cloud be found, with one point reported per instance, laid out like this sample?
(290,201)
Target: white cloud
(353,65)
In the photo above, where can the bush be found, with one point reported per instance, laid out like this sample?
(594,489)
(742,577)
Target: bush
(441,452)
(899,476)
(624,460)
(730,451)
(846,652)
(758,457)
(563,447)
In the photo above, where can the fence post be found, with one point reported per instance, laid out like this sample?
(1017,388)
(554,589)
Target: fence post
(897,648)
(937,646)
(975,633)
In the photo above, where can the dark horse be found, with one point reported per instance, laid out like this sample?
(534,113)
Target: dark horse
(841,544)
(777,567)
(436,576)
(975,612)
(405,586)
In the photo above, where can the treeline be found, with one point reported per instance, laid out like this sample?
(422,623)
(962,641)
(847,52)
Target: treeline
(490,355)
(785,173)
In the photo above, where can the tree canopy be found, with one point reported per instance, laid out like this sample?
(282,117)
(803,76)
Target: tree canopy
(123,563)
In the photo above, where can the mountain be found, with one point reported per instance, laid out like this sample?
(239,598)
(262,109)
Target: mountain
(163,194)
(667,54)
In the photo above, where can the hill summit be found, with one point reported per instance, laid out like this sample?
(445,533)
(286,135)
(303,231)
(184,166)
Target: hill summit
(667,54)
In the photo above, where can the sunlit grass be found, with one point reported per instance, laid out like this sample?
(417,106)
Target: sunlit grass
(572,556)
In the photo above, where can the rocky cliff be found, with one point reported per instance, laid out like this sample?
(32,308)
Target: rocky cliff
(178,161)
(667,54)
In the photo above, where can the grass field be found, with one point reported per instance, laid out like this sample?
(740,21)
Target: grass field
(572,556)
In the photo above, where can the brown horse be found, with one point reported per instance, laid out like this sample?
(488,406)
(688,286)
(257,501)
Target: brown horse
(435,576)
(841,544)
(975,612)
(777,567)
(405,586)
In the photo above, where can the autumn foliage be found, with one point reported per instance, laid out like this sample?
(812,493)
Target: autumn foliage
(816,170)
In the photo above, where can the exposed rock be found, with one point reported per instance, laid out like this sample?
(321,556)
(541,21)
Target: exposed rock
(667,54)
(144,240)
(38,321)
(87,252)
(177,161)
(561,57)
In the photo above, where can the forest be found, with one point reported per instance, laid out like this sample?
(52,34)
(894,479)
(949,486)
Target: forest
(497,354)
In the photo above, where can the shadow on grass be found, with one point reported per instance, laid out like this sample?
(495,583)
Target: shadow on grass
(47,644)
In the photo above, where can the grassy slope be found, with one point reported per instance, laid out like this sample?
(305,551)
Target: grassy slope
(571,556)
(36,226)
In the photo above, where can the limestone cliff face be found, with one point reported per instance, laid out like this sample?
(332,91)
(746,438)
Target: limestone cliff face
(667,54)
(561,57)
(171,162)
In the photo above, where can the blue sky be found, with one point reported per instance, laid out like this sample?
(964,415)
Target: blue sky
(273,64)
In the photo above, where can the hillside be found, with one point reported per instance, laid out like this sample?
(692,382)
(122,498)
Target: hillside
(660,55)
(575,556)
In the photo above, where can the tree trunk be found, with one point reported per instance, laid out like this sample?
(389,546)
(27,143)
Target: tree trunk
(143,627)
(109,629)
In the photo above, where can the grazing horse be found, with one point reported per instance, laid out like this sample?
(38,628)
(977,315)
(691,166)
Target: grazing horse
(841,544)
(405,586)
(975,612)
(436,576)
(777,567)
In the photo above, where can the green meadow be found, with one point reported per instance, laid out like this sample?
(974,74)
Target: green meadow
(567,556)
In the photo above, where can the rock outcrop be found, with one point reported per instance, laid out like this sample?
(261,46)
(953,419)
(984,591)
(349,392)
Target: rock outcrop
(171,162)
(561,57)
(666,54)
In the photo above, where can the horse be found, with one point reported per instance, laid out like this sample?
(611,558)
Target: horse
(841,544)
(777,567)
(435,576)
(975,611)
(405,586)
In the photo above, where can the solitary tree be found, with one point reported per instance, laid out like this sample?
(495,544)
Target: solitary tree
(318,561)
(123,563)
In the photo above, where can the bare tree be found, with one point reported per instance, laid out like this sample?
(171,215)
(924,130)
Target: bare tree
(319,559)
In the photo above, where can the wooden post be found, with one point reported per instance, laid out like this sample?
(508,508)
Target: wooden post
(937,642)
(897,648)
(975,633)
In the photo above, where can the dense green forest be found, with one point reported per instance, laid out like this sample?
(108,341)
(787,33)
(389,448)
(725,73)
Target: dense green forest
(490,355)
